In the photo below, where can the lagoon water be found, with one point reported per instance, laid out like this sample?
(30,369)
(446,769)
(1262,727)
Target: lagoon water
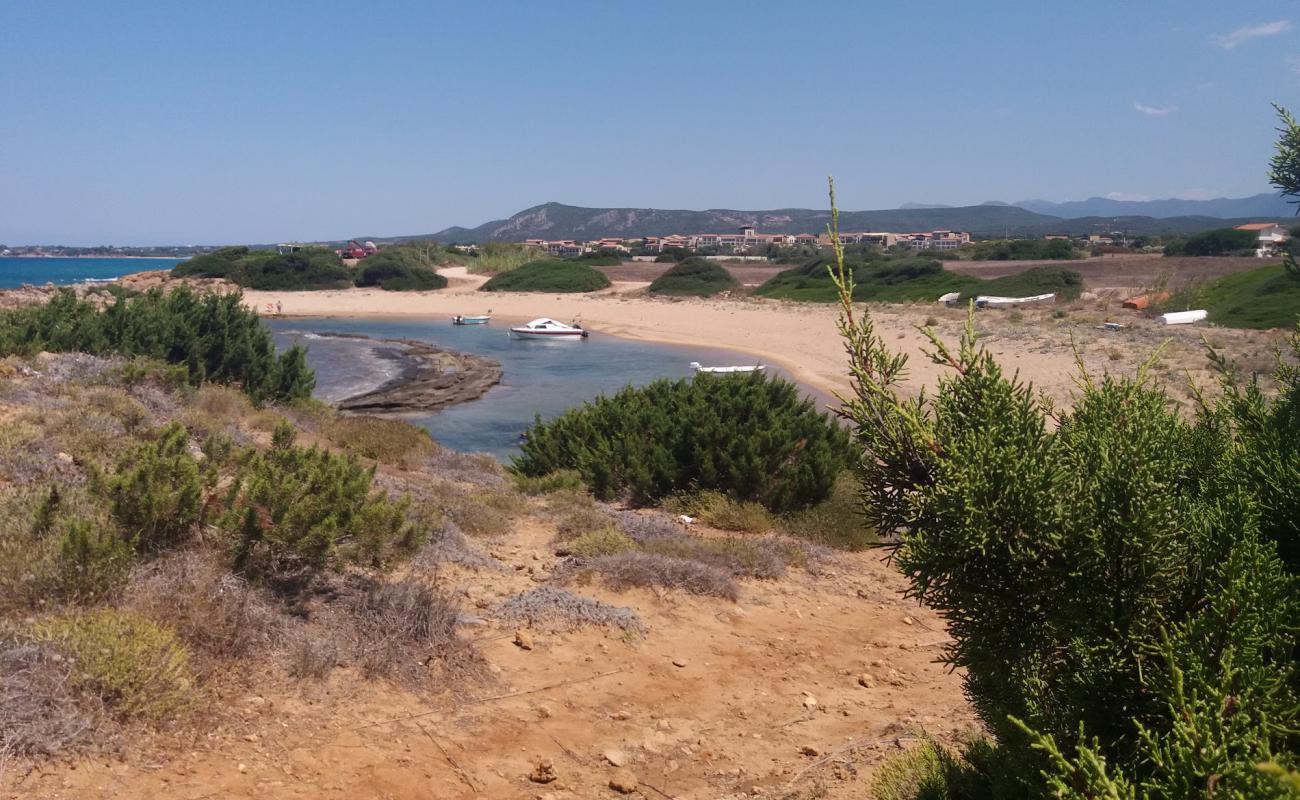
(540,377)
(15,272)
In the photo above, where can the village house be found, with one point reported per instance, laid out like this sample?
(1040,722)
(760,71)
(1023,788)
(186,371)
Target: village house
(1270,237)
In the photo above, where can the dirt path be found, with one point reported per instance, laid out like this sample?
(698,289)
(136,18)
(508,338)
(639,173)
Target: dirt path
(756,698)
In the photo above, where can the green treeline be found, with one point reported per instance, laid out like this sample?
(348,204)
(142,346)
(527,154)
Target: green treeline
(749,436)
(1218,242)
(213,337)
(403,267)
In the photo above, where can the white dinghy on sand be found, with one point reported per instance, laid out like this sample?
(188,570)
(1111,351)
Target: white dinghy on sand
(698,367)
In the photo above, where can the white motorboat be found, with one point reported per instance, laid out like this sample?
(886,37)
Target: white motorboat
(545,328)
(460,319)
(698,367)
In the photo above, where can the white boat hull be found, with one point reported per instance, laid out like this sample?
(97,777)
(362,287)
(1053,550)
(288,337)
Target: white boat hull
(520,333)
(470,320)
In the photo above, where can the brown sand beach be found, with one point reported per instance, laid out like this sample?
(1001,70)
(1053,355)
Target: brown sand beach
(1039,343)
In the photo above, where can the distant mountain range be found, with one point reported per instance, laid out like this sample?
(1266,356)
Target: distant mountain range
(1028,218)
(1260,205)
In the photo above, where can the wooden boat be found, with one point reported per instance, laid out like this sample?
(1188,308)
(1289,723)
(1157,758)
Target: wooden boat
(546,328)
(695,365)
(459,319)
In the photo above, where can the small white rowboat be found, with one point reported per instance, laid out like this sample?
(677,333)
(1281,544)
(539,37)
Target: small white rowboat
(463,320)
(544,328)
(695,365)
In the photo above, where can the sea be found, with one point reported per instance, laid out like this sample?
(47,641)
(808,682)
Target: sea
(540,378)
(15,272)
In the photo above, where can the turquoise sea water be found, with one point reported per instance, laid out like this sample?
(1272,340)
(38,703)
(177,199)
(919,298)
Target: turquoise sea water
(540,377)
(15,272)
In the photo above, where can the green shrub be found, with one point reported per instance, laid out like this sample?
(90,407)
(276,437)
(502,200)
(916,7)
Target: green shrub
(548,276)
(749,436)
(694,277)
(137,668)
(156,496)
(294,511)
(1111,574)
(401,268)
(391,441)
(213,336)
(92,562)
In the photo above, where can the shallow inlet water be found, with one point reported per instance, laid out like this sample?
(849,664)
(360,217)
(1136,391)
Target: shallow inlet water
(540,377)
(15,272)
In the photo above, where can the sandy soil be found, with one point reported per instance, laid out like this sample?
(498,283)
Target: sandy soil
(763,697)
(802,337)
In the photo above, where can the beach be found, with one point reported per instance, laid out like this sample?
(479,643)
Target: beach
(801,337)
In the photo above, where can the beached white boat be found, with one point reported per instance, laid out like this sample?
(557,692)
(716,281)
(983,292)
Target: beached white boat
(698,367)
(545,328)
(950,299)
(988,301)
(1184,317)
(459,319)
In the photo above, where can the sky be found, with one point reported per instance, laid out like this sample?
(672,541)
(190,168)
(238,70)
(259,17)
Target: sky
(138,123)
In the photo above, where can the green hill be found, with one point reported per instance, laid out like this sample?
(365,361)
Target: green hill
(1267,297)
(694,277)
(548,276)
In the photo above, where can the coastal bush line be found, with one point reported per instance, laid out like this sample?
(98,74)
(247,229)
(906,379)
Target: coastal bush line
(548,276)
(909,279)
(213,337)
(693,277)
(401,267)
(748,436)
(1139,644)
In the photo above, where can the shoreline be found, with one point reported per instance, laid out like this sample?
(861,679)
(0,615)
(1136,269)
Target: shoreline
(431,378)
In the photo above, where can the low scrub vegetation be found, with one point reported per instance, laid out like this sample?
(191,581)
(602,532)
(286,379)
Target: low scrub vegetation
(750,437)
(214,337)
(388,441)
(911,279)
(548,276)
(135,666)
(694,277)
(1265,297)
(307,269)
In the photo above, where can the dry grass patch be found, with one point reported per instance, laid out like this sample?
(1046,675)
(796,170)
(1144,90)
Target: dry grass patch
(40,713)
(406,631)
(633,569)
(389,441)
(605,542)
(558,609)
(717,510)
(136,667)
(563,480)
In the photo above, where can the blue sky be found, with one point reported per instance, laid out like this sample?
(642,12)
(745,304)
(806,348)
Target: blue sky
(178,122)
